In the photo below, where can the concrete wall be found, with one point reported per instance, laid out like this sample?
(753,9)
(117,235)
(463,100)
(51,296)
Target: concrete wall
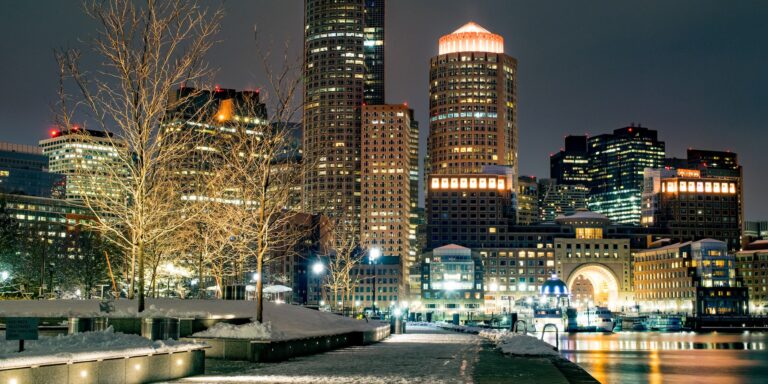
(135,369)
(272,351)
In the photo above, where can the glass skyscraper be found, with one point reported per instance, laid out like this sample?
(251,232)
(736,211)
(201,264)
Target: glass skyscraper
(374,51)
(24,171)
(616,165)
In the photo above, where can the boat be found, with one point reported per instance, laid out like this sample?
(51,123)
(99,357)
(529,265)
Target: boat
(544,316)
(632,323)
(664,323)
(598,318)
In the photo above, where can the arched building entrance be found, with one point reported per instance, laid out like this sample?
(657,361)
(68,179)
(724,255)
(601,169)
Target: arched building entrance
(594,284)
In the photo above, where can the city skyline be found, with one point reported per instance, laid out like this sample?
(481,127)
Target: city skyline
(686,79)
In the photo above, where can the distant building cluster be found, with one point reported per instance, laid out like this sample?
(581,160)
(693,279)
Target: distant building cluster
(620,223)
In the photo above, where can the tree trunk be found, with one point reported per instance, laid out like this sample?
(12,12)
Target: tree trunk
(132,274)
(140,256)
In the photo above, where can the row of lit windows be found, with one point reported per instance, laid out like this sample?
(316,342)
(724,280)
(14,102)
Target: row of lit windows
(468,183)
(698,187)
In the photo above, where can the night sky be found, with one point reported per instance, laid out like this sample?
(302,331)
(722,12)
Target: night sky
(696,71)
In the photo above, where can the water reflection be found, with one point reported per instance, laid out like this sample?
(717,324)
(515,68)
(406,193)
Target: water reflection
(651,357)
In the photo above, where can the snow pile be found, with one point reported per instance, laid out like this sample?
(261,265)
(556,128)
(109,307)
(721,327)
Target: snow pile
(288,321)
(252,330)
(517,343)
(83,346)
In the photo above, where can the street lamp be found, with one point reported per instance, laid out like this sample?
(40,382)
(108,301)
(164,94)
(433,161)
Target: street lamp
(318,268)
(374,254)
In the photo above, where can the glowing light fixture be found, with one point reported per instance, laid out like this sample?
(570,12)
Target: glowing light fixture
(471,38)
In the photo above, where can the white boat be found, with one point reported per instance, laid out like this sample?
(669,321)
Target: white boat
(599,318)
(544,316)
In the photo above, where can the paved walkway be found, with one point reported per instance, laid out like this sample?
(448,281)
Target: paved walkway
(423,355)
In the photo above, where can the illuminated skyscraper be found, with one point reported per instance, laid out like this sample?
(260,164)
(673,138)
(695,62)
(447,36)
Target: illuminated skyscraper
(336,62)
(616,165)
(570,165)
(374,51)
(472,104)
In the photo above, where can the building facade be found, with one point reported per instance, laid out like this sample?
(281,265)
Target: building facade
(452,283)
(94,163)
(387,191)
(571,165)
(695,277)
(752,264)
(690,205)
(24,171)
(334,83)
(472,104)
(616,165)
(528,200)
(560,199)
(374,49)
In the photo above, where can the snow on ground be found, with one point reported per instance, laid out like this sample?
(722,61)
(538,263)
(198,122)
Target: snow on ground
(288,321)
(517,343)
(252,330)
(83,346)
(423,355)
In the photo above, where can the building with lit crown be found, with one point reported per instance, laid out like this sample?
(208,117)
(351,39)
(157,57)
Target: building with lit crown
(472,104)
(689,205)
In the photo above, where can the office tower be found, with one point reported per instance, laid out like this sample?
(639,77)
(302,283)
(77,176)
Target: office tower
(24,171)
(472,104)
(334,80)
(751,266)
(210,118)
(755,230)
(616,165)
(92,161)
(571,165)
(373,31)
(472,210)
(386,189)
(560,199)
(691,204)
(527,200)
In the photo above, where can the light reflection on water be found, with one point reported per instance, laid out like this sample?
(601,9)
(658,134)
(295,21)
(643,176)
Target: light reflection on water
(653,357)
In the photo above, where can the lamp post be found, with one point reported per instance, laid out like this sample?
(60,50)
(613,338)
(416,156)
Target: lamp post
(317,269)
(374,254)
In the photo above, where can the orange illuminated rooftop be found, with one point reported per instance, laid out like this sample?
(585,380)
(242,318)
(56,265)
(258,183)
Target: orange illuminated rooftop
(471,37)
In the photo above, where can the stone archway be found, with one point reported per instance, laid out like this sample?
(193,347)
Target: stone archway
(603,281)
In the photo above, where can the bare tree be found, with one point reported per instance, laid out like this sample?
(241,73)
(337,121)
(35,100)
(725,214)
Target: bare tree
(343,259)
(145,51)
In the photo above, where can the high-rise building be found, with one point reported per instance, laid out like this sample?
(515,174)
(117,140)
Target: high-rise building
(527,200)
(703,200)
(692,206)
(334,82)
(374,51)
(92,161)
(211,118)
(616,165)
(560,199)
(472,104)
(472,210)
(755,230)
(24,171)
(571,165)
(387,192)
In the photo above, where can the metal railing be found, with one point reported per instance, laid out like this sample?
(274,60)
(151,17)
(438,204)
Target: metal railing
(515,328)
(557,334)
